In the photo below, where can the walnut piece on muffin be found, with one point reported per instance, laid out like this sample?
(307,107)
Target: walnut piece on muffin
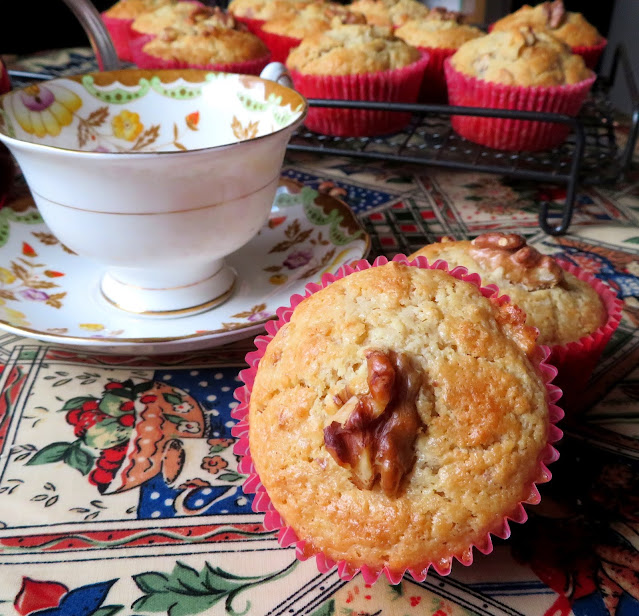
(313,18)
(562,307)
(520,57)
(351,50)
(390,13)
(441,29)
(398,417)
(571,28)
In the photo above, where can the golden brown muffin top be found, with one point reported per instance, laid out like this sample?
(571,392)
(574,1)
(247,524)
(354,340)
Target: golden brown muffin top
(130,9)
(351,49)
(183,17)
(212,45)
(389,13)
(443,30)
(521,58)
(562,307)
(266,9)
(411,350)
(570,28)
(313,18)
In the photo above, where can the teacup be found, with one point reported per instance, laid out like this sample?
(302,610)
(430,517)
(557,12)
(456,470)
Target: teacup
(154,175)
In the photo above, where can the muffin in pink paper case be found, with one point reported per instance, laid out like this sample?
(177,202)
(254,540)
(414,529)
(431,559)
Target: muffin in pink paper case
(439,35)
(361,63)
(576,360)
(569,27)
(118,19)
(254,13)
(394,418)
(284,33)
(575,313)
(521,70)
(218,49)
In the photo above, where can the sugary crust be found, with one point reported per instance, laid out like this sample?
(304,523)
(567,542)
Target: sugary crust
(444,34)
(313,18)
(389,13)
(482,403)
(265,9)
(562,314)
(212,46)
(520,58)
(182,17)
(351,49)
(130,9)
(574,29)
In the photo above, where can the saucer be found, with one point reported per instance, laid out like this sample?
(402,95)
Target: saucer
(49,293)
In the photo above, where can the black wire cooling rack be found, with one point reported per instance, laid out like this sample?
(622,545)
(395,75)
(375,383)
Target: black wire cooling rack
(590,155)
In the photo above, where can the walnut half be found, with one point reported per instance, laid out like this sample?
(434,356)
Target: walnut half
(378,437)
(522,264)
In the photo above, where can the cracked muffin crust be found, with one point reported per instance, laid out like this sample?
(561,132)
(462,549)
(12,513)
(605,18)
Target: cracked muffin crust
(266,9)
(313,18)
(561,306)
(390,13)
(520,57)
(570,28)
(351,49)
(398,417)
(441,29)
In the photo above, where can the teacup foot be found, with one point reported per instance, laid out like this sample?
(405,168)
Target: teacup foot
(167,299)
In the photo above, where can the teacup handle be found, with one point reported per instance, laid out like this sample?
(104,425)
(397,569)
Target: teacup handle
(276,71)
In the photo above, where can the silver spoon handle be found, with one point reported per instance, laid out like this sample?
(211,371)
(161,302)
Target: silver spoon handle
(97,33)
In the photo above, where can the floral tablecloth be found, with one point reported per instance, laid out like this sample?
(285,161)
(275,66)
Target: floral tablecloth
(72,543)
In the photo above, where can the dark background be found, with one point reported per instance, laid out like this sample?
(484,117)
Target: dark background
(27,26)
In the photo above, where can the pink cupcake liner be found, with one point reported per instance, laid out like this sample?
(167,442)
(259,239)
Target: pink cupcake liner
(590,53)
(575,361)
(398,85)
(120,31)
(147,61)
(508,134)
(279,44)
(286,535)
(434,88)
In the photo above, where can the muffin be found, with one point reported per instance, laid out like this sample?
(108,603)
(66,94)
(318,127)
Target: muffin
(357,62)
(284,33)
(253,13)
(198,37)
(440,34)
(118,20)
(389,13)
(181,16)
(574,313)
(396,418)
(516,69)
(570,28)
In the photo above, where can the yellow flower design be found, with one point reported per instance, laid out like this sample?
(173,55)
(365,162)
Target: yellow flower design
(127,125)
(6,276)
(11,316)
(44,109)
(92,327)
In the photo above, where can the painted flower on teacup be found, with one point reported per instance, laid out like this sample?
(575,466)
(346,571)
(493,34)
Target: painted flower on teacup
(126,125)
(44,109)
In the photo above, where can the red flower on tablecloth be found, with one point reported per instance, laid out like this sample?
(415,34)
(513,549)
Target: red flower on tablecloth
(37,595)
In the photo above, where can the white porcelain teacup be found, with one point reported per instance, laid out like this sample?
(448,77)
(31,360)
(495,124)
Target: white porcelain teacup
(154,175)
